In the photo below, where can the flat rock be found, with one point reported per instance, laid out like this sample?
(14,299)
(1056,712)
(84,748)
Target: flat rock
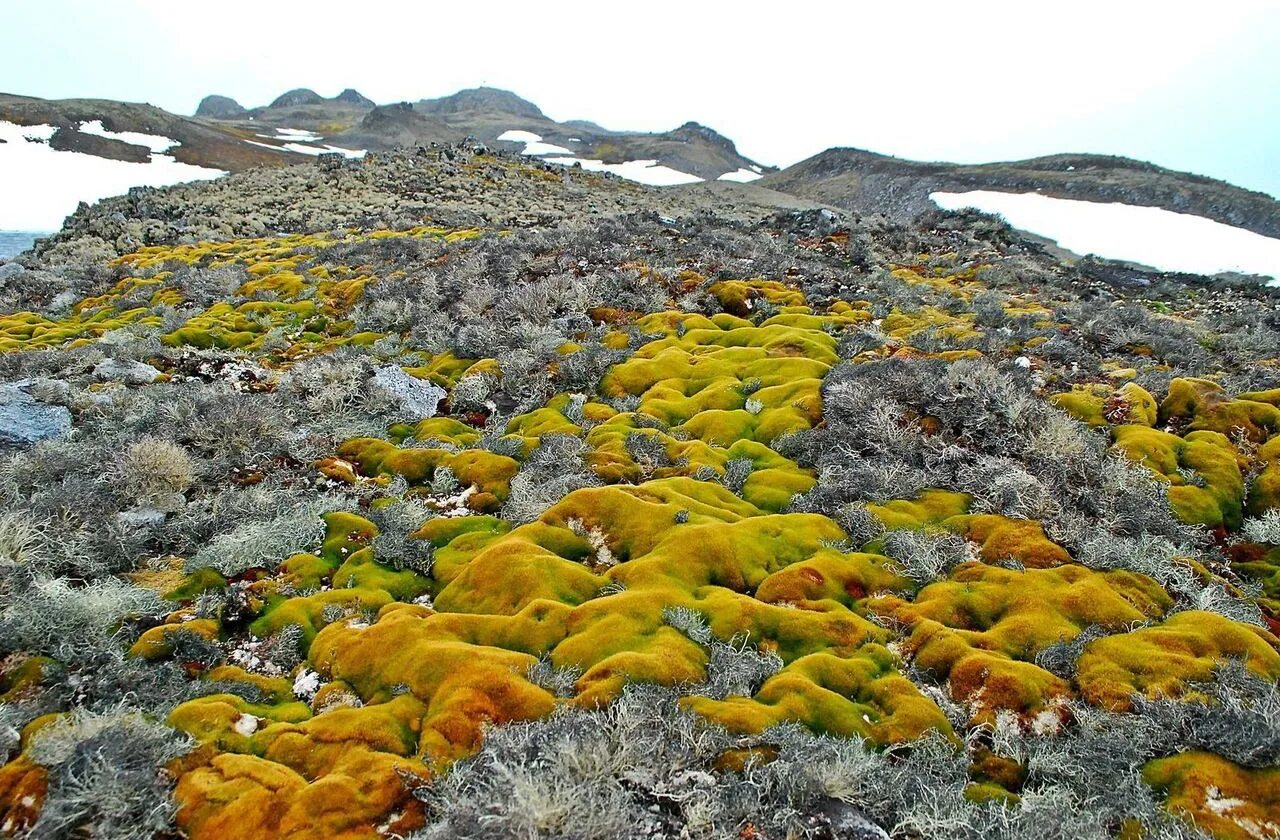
(416,397)
(130,373)
(140,517)
(24,421)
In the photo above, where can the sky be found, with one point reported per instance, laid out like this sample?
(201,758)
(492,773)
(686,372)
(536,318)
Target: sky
(1188,86)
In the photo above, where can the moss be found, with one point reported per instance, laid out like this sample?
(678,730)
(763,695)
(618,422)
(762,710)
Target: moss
(306,571)
(275,690)
(1099,404)
(1203,470)
(197,583)
(442,531)
(461,685)
(989,792)
(244,797)
(1005,772)
(488,472)
(19,676)
(1224,799)
(1264,491)
(23,788)
(1001,538)
(831,576)
(982,628)
(863,696)
(1200,404)
(931,508)
(157,643)
(361,571)
(1163,659)
(511,573)
(695,381)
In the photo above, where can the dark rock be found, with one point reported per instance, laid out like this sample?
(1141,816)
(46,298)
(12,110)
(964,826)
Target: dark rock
(350,96)
(219,108)
(296,97)
(482,99)
(70,140)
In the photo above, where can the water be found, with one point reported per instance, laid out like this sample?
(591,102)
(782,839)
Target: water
(14,242)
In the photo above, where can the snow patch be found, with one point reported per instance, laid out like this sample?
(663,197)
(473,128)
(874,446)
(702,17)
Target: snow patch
(1160,238)
(42,186)
(156,143)
(644,171)
(298,134)
(533,144)
(311,150)
(742,176)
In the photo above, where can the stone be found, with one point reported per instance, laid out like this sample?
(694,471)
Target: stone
(418,398)
(24,421)
(140,517)
(129,373)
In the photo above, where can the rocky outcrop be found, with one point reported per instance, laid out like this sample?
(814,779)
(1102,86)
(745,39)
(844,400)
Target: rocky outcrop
(488,99)
(296,97)
(70,140)
(866,182)
(217,107)
(25,421)
(351,96)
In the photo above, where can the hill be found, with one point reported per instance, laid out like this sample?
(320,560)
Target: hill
(448,492)
(867,182)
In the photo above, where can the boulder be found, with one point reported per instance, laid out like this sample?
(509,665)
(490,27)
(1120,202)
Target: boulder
(418,398)
(140,517)
(24,421)
(128,373)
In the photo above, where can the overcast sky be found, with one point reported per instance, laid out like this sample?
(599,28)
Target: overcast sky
(1189,86)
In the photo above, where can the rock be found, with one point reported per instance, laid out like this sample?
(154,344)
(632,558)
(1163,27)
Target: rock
(296,97)
(129,373)
(140,517)
(220,108)
(838,820)
(417,397)
(24,421)
(350,96)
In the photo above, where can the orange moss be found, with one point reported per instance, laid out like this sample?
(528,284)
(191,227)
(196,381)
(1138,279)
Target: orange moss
(982,628)
(1224,799)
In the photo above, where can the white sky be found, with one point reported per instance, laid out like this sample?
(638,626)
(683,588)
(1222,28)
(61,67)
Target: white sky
(1187,85)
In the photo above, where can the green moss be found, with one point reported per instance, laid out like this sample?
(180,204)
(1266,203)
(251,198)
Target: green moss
(1163,659)
(1203,470)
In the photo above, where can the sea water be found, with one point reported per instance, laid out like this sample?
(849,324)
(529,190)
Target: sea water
(14,242)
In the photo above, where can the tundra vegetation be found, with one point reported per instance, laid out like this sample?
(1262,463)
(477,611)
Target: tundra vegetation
(656,523)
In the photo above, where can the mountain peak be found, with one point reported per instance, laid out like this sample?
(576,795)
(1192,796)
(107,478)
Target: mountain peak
(691,130)
(482,99)
(219,107)
(351,96)
(297,96)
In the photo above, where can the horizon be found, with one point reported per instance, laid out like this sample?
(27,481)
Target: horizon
(1189,92)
